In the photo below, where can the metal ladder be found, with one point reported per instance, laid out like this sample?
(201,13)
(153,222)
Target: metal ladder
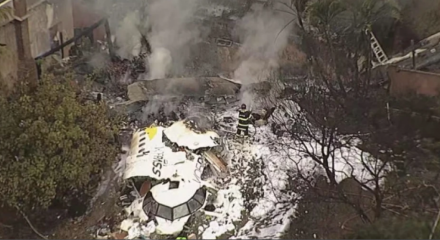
(377,49)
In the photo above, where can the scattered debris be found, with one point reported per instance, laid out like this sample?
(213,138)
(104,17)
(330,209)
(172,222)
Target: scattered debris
(261,118)
(218,166)
(103,232)
(223,42)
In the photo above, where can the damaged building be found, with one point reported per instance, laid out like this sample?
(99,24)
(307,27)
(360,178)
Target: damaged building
(417,70)
(31,28)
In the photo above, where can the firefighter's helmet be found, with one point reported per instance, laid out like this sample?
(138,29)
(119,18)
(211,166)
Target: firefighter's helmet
(243,106)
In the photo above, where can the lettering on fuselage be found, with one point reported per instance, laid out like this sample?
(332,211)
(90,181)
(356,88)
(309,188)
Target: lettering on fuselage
(158,162)
(200,166)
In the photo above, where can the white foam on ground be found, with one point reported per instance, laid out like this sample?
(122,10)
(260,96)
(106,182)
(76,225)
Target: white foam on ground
(229,207)
(271,216)
(272,213)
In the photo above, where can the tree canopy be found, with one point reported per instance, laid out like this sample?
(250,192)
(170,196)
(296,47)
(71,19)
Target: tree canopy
(53,143)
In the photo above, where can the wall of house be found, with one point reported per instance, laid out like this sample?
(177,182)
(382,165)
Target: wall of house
(404,81)
(84,16)
(45,20)
(42,18)
(8,54)
(32,3)
(63,15)
(38,30)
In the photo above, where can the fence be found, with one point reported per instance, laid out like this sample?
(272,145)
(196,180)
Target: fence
(404,81)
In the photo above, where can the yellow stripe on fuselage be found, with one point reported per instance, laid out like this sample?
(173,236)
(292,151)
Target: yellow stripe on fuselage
(151,132)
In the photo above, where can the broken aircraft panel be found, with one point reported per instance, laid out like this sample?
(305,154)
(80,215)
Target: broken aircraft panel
(149,156)
(184,136)
(218,166)
(177,190)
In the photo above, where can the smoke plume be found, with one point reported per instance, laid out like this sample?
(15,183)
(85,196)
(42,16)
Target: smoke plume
(173,33)
(159,63)
(171,29)
(128,36)
(264,36)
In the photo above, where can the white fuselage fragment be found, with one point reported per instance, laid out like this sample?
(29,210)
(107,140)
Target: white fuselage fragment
(183,136)
(150,157)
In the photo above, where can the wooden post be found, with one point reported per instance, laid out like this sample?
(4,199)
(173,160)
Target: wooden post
(61,43)
(21,29)
(413,54)
(27,68)
(388,112)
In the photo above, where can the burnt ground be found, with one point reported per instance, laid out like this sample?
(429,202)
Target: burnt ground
(61,225)
(104,209)
(321,216)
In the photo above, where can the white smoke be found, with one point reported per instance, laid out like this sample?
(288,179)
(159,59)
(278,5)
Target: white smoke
(173,33)
(264,35)
(159,63)
(158,103)
(171,29)
(128,36)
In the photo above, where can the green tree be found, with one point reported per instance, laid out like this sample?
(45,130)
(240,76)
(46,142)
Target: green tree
(324,13)
(345,52)
(53,144)
(348,17)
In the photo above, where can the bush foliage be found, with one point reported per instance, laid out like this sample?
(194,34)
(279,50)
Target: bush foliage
(52,143)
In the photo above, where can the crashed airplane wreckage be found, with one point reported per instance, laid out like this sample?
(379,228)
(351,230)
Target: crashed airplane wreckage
(165,167)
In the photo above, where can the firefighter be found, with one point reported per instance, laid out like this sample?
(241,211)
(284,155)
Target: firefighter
(99,98)
(243,121)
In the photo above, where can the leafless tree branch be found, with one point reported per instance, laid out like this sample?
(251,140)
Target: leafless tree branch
(434,226)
